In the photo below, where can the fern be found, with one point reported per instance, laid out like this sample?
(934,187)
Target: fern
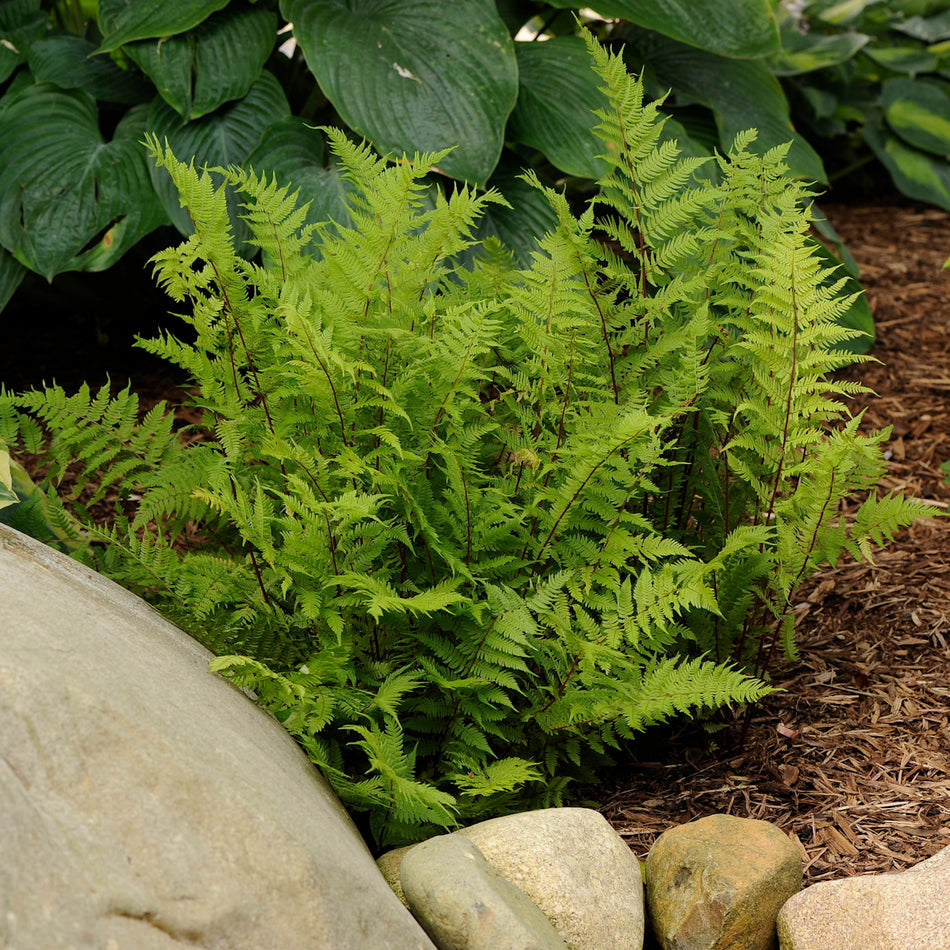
(467,530)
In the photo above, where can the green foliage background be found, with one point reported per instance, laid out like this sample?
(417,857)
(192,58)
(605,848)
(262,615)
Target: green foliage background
(82,81)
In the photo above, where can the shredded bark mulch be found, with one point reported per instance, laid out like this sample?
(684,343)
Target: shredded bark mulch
(852,759)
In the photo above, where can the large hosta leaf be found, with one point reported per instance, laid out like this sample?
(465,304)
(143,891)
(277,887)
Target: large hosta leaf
(68,61)
(558,92)
(741,28)
(806,52)
(11,273)
(123,21)
(414,75)
(904,59)
(927,29)
(743,94)
(919,112)
(22,22)
(226,137)
(217,61)
(69,200)
(521,226)
(295,153)
(9,60)
(917,174)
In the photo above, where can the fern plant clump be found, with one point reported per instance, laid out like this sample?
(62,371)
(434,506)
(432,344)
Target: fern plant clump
(466,530)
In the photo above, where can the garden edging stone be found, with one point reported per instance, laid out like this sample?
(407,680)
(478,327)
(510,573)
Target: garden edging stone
(569,861)
(465,904)
(907,909)
(743,874)
(719,882)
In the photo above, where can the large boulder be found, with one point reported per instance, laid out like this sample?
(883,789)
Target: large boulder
(149,804)
(718,883)
(907,909)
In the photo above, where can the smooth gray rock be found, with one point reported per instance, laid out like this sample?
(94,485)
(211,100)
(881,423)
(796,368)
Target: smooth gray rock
(718,883)
(146,803)
(464,904)
(575,867)
(909,910)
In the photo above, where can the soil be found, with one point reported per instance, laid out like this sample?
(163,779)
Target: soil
(852,757)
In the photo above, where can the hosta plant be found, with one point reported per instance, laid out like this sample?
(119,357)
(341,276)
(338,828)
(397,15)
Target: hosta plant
(244,82)
(466,530)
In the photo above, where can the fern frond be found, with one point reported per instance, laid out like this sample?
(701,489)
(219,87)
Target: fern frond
(675,687)
(467,529)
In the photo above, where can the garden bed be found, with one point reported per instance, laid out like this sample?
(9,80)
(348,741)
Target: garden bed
(853,758)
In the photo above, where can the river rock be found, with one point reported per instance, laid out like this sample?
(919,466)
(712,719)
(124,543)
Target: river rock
(908,909)
(149,804)
(575,867)
(719,882)
(465,904)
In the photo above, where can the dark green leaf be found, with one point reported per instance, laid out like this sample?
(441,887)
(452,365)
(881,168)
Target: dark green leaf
(19,17)
(557,92)
(904,59)
(169,63)
(197,71)
(414,75)
(21,82)
(743,94)
(740,28)
(858,316)
(824,104)
(528,219)
(22,22)
(226,137)
(296,153)
(806,52)
(930,29)
(917,174)
(123,21)
(67,61)
(848,11)
(68,199)
(11,273)
(919,112)
(9,61)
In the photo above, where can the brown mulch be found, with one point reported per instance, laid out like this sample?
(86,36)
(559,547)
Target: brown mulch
(852,760)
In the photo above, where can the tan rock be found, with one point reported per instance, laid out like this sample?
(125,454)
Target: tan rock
(909,910)
(575,867)
(719,882)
